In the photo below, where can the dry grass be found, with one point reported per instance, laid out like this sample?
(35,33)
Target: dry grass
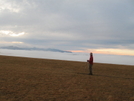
(29,79)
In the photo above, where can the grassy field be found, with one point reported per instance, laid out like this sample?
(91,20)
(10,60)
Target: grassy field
(29,79)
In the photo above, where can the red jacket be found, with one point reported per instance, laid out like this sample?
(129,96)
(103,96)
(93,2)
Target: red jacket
(90,60)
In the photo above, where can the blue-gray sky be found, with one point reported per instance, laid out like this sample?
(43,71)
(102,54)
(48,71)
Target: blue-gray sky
(102,26)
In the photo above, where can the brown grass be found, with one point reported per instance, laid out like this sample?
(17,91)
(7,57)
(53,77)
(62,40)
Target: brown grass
(29,79)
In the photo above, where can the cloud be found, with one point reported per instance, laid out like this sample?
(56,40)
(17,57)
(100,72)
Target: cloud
(107,51)
(69,25)
(11,42)
(34,49)
(8,6)
(10,33)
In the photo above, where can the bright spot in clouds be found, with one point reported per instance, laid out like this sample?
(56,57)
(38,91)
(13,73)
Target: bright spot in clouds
(8,6)
(115,51)
(108,51)
(19,34)
(10,33)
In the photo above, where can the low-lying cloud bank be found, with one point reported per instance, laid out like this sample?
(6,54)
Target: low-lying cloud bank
(34,48)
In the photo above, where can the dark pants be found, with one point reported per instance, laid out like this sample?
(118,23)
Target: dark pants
(90,69)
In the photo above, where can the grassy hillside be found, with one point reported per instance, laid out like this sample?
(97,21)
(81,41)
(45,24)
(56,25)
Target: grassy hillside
(29,79)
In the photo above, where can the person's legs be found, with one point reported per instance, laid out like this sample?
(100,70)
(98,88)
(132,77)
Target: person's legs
(90,69)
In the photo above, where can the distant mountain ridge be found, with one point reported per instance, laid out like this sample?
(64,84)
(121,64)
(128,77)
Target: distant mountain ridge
(35,48)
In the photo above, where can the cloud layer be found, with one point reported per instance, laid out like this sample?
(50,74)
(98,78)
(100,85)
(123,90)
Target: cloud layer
(67,24)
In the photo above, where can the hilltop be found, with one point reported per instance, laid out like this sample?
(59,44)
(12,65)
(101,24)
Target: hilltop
(31,79)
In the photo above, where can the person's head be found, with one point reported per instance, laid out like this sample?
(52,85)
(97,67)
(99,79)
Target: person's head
(91,54)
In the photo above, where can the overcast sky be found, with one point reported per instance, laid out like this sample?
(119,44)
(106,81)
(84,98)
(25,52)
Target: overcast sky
(101,26)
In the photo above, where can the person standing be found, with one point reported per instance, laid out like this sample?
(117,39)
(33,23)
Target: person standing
(90,63)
